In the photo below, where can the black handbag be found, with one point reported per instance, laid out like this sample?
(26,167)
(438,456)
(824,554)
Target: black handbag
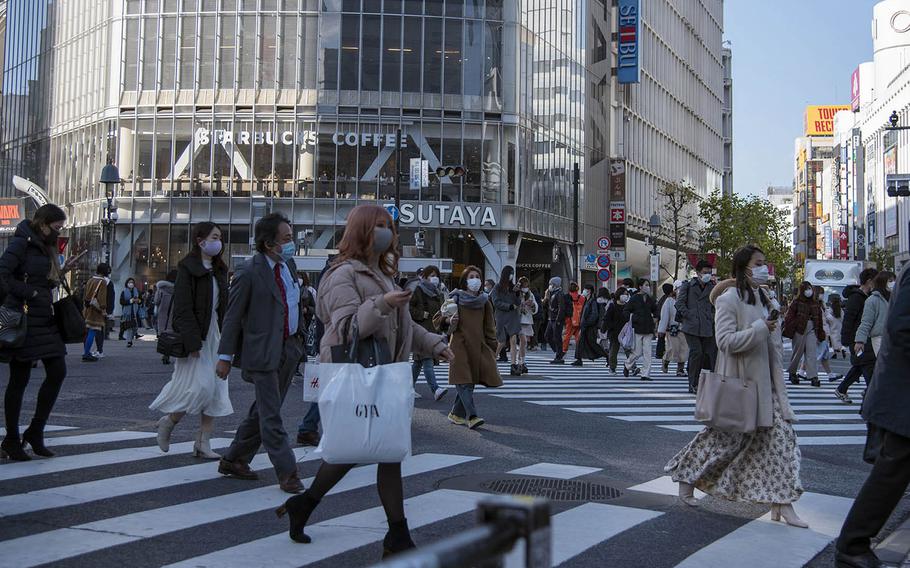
(170,343)
(13,326)
(68,313)
(368,352)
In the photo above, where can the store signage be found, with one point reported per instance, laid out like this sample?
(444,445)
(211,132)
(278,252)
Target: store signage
(655,267)
(854,90)
(204,137)
(618,209)
(443,215)
(618,180)
(10,215)
(415,177)
(628,30)
(617,214)
(820,119)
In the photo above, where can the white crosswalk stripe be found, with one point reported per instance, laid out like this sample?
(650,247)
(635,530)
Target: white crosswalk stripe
(48,428)
(664,401)
(576,527)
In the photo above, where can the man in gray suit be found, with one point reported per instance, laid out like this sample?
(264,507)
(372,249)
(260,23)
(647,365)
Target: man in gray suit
(261,334)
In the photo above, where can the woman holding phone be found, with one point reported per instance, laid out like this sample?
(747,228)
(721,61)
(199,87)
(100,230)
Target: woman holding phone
(761,466)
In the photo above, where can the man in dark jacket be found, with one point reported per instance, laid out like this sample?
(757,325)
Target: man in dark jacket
(695,312)
(556,313)
(884,407)
(643,310)
(853,314)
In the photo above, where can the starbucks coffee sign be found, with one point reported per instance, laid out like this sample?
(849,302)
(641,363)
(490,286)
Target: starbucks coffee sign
(309,138)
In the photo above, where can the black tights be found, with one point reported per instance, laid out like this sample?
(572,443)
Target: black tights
(388,482)
(19,374)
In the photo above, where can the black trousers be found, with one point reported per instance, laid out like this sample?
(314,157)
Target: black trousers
(19,374)
(860,367)
(702,355)
(878,497)
(554,337)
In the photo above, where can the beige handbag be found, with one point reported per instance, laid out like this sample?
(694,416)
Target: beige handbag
(727,403)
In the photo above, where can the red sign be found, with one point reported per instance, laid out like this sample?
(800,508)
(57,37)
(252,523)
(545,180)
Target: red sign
(844,247)
(617,215)
(61,244)
(693,258)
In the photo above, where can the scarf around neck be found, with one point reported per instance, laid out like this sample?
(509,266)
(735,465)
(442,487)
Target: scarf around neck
(469,300)
(428,288)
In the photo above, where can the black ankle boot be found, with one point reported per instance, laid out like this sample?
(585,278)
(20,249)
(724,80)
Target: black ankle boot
(298,508)
(11,448)
(34,437)
(398,539)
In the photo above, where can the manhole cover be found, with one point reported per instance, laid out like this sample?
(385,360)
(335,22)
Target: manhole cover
(555,489)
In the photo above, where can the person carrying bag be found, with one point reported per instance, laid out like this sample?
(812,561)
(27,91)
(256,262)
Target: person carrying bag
(748,450)
(360,304)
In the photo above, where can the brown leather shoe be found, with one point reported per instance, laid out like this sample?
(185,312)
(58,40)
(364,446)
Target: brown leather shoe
(290,483)
(308,438)
(237,469)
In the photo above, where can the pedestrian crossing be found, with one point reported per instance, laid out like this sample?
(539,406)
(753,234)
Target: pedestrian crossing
(664,402)
(577,527)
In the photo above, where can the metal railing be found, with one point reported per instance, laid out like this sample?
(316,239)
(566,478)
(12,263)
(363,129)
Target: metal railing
(502,522)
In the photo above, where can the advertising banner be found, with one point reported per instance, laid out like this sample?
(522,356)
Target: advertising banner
(11,214)
(889,164)
(820,119)
(854,90)
(618,207)
(628,29)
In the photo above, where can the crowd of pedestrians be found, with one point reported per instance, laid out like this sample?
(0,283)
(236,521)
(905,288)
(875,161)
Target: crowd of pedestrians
(262,319)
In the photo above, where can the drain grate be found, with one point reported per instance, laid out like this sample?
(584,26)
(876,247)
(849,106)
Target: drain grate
(554,489)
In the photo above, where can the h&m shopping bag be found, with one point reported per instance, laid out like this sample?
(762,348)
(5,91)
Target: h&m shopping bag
(365,412)
(311,382)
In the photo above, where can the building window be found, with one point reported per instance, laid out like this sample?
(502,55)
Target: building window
(350,52)
(391,54)
(372,49)
(432,55)
(452,52)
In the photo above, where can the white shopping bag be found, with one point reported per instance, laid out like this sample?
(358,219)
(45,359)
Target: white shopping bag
(365,412)
(311,382)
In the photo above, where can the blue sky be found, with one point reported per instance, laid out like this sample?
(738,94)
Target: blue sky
(787,54)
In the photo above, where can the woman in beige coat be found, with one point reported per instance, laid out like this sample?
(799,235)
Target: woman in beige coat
(360,284)
(474,345)
(761,466)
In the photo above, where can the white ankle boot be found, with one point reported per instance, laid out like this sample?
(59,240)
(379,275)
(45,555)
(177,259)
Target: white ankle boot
(789,515)
(203,448)
(687,494)
(165,427)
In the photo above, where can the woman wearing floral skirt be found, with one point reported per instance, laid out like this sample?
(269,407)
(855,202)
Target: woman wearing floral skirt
(761,466)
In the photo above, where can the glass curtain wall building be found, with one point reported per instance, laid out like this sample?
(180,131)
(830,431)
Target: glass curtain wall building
(224,110)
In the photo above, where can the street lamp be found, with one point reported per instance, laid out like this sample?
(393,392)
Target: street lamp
(110,177)
(654,228)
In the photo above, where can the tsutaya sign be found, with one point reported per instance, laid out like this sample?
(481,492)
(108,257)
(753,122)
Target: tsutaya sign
(204,137)
(444,215)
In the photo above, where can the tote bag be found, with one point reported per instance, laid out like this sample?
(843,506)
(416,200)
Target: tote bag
(68,313)
(727,403)
(365,411)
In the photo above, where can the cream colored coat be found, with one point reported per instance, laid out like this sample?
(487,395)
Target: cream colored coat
(352,287)
(745,347)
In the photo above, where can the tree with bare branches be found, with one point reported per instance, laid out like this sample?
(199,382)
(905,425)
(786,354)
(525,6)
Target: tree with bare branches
(678,212)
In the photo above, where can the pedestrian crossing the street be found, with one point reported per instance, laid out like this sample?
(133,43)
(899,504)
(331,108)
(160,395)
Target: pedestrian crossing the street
(155,478)
(664,402)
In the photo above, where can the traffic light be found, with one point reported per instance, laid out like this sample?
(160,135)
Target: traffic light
(451,171)
(898,185)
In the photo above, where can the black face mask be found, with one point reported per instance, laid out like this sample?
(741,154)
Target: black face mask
(51,238)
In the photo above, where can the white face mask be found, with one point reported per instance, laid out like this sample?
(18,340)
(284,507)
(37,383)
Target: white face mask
(705,278)
(130,285)
(601,300)
(487,289)
(586,293)
(300,282)
(624,298)
(434,280)
(646,290)
(473,284)
(760,274)
(891,286)
(808,293)
(525,290)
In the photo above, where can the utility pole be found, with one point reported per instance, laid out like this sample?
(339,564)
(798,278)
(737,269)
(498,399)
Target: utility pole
(398,181)
(576,179)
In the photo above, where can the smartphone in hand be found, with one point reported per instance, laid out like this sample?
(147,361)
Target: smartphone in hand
(773,315)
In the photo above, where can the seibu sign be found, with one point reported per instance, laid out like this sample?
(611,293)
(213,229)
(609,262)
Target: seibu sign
(441,215)
(204,137)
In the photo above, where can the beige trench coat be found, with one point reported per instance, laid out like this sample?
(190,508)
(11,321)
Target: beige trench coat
(351,287)
(746,347)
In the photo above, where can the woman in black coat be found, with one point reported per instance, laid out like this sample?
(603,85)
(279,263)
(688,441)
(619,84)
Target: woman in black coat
(588,347)
(612,324)
(199,304)
(29,274)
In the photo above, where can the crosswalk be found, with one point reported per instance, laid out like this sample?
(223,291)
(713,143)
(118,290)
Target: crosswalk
(664,402)
(89,485)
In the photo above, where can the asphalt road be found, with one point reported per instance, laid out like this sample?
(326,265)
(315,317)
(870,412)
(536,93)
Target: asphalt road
(111,498)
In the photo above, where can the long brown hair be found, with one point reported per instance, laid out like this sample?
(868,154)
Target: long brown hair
(463,281)
(880,284)
(805,285)
(357,241)
(201,231)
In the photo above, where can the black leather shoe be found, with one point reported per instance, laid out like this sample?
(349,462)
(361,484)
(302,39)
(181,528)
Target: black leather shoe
(816,382)
(12,449)
(35,439)
(298,509)
(867,560)
(236,469)
(794,379)
(290,483)
(397,540)
(308,438)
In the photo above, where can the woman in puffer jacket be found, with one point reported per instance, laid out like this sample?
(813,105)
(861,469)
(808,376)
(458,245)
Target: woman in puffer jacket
(875,313)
